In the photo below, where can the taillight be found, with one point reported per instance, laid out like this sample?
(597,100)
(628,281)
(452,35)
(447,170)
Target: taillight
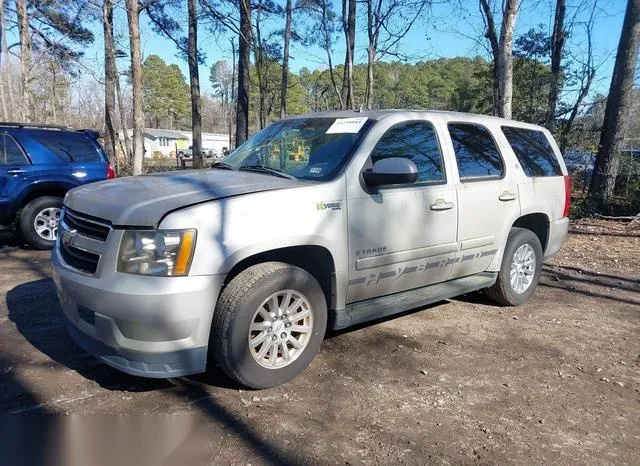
(111,174)
(567,196)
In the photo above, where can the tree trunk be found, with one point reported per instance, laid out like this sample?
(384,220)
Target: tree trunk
(194,78)
(242,107)
(25,59)
(371,53)
(557,45)
(285,62)
(616,117)
(128,155)
(133,16)
(110,76)
(232,91)
(349,28)
(327,46)
(260,71)
(505,61)
(5,68)
(492,37)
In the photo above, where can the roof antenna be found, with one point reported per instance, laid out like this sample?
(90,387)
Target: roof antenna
(360,109)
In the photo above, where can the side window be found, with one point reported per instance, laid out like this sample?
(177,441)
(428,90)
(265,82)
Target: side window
(10,152)
(476,151)
(534,152)
(416,141)
(70,147)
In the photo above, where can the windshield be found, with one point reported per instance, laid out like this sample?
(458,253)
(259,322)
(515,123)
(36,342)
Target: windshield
(306,148)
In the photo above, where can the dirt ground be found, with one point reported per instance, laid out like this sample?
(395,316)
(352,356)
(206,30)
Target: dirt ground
(556,380)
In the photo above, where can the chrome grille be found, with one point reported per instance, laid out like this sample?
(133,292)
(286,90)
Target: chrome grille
(90,227)
(82,240)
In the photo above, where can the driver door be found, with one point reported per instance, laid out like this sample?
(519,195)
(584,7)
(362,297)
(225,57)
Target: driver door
(403,236)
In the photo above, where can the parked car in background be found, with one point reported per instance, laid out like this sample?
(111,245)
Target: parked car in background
(209,153)
(39,164)
(319,221)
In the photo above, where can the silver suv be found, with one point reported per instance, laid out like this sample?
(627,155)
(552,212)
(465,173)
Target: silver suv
(319,221)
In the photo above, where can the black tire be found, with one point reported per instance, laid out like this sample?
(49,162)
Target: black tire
(28,216)
(502,292)
(237,304)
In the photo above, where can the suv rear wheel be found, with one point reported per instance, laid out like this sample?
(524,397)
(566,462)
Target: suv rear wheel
(268,324)
(39,221)
(520,271)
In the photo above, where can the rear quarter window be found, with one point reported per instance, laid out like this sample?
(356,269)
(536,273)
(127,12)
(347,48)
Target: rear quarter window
(70,147)
(534,152)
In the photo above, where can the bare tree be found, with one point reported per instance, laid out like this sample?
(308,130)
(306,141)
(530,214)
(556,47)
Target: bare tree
(194,79)
(349,28)
(502,51)
(110,76)
(133,17)
(557,47)
(232,97)
(5,68)
(25,58)
(616,118)
(242,106)
(3,61)
(285,60)
(587,74)
(388,21)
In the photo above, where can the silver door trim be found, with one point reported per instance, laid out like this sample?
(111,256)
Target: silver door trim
(477,242)
(405,256)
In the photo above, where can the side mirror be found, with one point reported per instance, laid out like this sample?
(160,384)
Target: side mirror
(394,170)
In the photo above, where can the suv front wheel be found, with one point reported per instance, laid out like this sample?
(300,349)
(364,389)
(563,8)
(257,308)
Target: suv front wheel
(39,221)
(520,271)
(268,324)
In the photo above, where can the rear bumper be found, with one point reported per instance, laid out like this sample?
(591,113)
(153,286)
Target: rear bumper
(558,231)
(146,326)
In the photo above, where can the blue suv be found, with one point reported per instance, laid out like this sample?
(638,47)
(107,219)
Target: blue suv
(38,165)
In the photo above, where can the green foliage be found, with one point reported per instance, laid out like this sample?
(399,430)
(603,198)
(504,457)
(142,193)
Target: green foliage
(165,91)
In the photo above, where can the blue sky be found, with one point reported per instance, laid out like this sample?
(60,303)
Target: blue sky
(446,33)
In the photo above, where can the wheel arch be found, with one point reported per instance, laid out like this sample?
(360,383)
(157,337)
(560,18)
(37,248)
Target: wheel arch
(56,190)
(538,223)
(315,259)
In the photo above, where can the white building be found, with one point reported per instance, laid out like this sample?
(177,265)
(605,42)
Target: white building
(211,141)
(165,143)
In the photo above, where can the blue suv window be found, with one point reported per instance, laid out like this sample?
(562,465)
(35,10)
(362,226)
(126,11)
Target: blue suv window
(10,152)
(70,147)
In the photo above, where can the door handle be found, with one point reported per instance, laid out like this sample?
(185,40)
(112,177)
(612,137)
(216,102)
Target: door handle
(440,204)
(16,171)
(507,196)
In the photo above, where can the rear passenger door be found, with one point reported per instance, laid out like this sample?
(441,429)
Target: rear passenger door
(16,174)
(75,157)
(487,197)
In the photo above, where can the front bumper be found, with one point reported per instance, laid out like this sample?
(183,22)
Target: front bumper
(147,326)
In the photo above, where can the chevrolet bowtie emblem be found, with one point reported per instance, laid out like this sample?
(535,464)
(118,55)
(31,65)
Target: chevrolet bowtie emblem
(67,236)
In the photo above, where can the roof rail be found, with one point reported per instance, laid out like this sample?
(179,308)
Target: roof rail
(32,125)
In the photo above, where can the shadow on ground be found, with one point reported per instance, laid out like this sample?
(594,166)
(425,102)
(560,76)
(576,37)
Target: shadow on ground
(34,309)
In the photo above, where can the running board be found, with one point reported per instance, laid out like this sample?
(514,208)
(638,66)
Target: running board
(385,306)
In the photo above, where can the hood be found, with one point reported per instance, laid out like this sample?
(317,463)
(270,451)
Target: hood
(145,200)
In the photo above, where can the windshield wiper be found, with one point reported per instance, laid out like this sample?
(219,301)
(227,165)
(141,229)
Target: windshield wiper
(222,166)
(267,170)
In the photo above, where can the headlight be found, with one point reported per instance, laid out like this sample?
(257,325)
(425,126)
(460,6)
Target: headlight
(159,253)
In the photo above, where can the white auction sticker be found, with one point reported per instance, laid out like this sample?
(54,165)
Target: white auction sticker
(347,125)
